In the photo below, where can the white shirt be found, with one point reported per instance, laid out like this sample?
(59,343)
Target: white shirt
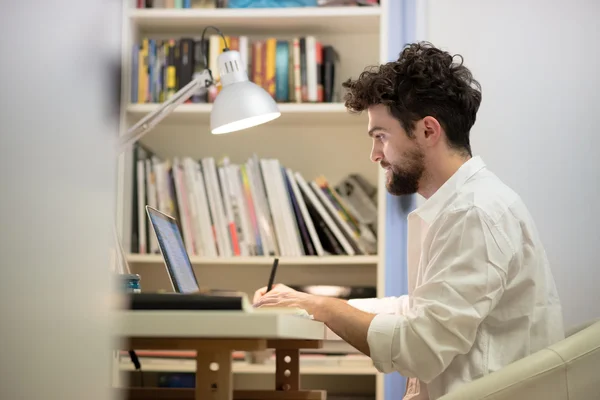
(480,291)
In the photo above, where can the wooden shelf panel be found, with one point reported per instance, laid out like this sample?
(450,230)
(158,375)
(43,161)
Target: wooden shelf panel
(262,260)
(189,366)
(291,114)
(305,20)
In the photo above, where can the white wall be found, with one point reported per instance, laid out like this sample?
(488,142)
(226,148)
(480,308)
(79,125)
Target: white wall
(539,64)
(57,131)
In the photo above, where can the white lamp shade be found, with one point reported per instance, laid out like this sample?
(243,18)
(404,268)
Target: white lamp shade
(242,105)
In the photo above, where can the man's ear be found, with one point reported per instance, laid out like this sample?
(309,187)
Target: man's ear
(432,130)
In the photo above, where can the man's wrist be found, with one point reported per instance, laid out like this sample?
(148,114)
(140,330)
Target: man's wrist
(323,308)
(346,321)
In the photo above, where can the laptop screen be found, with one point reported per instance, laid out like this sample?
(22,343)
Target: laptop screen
(176,258)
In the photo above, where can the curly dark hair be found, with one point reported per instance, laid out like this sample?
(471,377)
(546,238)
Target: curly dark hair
(424,81)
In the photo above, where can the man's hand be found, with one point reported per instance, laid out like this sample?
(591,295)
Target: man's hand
(276,289)
(286,297)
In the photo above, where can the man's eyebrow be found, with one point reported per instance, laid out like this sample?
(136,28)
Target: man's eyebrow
(374,129)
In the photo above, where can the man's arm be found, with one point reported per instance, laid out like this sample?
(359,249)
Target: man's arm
(346,321)
(463,281)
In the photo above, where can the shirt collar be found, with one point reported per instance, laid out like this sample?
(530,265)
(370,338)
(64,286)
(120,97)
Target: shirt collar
(434,204)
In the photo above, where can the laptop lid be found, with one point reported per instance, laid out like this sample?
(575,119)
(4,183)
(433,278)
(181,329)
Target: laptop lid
(172,248)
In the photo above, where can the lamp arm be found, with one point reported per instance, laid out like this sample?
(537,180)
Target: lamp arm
(143,126)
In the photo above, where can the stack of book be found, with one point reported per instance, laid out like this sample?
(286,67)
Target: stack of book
(299,70)
(254,208)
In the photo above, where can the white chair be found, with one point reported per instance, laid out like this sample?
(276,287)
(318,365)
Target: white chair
(567,370)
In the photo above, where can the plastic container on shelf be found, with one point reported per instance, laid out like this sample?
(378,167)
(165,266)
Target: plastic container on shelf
(130,283)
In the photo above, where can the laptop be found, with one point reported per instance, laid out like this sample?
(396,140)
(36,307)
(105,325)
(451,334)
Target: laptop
(183,278)
(171,245)
(187,294)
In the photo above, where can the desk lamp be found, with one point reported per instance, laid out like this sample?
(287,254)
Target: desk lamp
(240,104)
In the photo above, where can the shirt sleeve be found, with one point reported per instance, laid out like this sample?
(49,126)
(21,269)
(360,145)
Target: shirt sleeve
(386,305)
(462,282)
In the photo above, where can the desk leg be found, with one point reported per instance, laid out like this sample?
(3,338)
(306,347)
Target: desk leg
(214,379)
(287,369)
(287,381)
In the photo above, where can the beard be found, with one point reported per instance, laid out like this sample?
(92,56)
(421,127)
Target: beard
(405,178)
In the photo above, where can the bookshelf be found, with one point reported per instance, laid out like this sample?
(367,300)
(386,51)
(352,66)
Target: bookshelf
(310,138)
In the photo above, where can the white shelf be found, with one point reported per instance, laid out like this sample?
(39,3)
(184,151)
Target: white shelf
(315,20)
(262,260)
(291,114)
(189,366)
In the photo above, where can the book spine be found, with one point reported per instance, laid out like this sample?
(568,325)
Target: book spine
(282,71)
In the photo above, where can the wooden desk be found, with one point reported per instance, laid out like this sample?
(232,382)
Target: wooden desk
(214,335)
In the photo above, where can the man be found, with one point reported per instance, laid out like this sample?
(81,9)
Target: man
(481,293)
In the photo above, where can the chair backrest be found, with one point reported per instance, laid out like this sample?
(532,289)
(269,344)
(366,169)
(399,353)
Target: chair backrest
(569,369)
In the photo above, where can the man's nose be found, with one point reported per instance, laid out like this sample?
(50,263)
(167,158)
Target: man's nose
(376,154)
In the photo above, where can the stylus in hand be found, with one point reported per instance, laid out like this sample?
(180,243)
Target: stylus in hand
(272,277)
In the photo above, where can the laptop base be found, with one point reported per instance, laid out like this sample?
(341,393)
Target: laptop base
(178,301)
